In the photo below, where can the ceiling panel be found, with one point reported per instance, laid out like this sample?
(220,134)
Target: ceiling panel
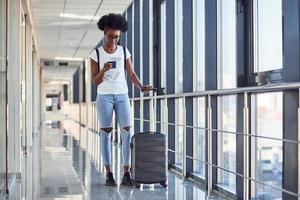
(59,72)
(92,38)
(65,28)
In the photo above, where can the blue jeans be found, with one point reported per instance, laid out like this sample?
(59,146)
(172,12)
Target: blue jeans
(105,104)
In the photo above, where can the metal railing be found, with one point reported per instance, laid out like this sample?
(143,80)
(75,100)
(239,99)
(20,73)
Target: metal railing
(209,130)
(246,91)
(216,166)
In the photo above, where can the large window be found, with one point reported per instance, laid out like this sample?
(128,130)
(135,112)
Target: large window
(163,61)
(131,43)
(199,80)
(178,82)
(13,88)
(266,113)
(140,40)
(227,104)
(152,117)
(267,35)
(163,64)
(267,153)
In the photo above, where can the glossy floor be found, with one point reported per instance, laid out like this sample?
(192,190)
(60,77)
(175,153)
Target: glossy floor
(68,172)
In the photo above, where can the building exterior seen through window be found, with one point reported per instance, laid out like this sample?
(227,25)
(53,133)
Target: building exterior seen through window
(267,154)
(226,104)
(199,85)
(268,38)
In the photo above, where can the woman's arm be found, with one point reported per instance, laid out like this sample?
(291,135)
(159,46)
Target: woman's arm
(133,77)
(97,76)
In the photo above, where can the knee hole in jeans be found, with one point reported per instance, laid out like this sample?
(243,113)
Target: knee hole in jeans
(126,128)
(107,130)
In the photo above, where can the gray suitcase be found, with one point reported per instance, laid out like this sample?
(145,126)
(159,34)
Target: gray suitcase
(148,158)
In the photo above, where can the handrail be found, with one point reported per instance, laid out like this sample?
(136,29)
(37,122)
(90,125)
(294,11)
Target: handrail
(238,174)
(288,86)
(233,91)
(245,91)
(222,131)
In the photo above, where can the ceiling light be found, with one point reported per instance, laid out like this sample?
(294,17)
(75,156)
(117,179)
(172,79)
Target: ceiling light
(74,16)
(68,58)
(72,23)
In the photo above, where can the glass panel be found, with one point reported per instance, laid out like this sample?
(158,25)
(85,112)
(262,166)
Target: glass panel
(178,47)
(199,194)
(163,44)
(13,80)
(199,47)
(267,154)
(2,92)
(268,34)
(199,81)
(180,190)
(23,85)
(163,59)
(2,34)
(152,118)
(227,142)
(227,104)
(227,44)
(178,133)
(178,82)
(199,137)
(265,195)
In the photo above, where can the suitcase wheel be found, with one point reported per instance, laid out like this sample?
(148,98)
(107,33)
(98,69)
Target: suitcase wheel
(164,184)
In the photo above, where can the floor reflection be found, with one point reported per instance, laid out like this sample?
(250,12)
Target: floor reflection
(73,172)
(58,178)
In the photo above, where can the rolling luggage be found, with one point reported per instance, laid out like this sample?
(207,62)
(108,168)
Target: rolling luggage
(148,158)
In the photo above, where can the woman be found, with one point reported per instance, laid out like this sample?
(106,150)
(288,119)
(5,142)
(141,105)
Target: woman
(112,91)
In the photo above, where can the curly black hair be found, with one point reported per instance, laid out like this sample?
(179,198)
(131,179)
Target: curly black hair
(114,21)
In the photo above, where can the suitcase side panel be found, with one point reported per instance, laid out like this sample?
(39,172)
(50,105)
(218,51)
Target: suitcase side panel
(148,161)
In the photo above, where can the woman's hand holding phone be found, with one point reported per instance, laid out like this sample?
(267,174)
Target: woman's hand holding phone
(107,66)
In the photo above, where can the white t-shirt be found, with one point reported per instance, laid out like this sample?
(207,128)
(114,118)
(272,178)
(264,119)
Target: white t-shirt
(114,81)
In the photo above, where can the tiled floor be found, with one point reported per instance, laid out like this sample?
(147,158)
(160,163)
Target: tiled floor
(68,173)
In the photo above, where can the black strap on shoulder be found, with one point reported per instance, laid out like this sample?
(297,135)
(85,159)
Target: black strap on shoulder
(124,51)
(97,52)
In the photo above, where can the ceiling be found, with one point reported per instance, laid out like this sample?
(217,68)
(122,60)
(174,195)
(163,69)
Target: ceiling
(55,87)
(58,72)
(67,28)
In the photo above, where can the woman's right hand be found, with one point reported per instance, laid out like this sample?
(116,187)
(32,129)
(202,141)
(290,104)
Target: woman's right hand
(107,66)
(146,88)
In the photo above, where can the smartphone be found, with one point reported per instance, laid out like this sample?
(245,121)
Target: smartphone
(113,64)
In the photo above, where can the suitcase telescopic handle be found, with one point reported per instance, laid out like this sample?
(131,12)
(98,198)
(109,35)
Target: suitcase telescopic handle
(154,105)
(154,90)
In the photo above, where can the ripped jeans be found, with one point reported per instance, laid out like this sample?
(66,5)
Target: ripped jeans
(105,104)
